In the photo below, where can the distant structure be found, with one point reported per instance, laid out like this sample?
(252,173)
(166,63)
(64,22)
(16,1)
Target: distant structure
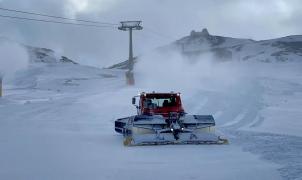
(130,26)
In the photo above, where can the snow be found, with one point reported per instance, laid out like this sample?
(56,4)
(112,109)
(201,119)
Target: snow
(285,49)
(281,100)
(57,122)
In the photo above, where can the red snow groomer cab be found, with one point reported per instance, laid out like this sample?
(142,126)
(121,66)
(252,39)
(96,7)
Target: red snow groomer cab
(161,119)
(160,104)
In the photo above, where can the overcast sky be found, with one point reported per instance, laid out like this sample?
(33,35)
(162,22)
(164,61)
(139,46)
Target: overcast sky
(164,21)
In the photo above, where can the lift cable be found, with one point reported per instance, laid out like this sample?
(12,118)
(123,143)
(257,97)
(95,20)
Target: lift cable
(168,37)
(57,17)
(57,22)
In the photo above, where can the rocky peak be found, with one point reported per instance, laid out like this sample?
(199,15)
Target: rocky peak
(204,33)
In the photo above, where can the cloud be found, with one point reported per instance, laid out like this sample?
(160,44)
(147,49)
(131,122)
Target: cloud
(88,6)
(163,21)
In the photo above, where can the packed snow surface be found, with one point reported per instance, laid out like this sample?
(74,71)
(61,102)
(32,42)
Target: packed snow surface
(57,122)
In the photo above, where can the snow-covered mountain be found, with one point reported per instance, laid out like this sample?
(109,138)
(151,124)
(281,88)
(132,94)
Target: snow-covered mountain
(283,49)
(122,65)
(226,48)
(44,55)
(36,54)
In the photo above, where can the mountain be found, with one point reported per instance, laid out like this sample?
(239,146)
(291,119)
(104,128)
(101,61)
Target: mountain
(38,54)
(122,65)
(44,55)
(283,49)
(226,48)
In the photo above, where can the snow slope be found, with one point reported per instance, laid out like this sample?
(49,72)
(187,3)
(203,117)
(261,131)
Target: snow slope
(226,48)
(56,122)
(57,119)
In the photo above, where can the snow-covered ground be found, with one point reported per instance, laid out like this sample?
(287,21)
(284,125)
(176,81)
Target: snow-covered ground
(57,122)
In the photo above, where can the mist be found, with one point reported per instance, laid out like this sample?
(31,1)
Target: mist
(165,72)
(13,57)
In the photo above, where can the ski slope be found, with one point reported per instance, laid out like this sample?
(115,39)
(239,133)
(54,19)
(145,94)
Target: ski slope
(57,122)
